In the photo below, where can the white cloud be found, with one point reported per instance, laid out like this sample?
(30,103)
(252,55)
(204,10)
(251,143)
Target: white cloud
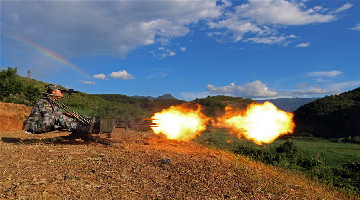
(169,53)
(118,27)
(258,90)
(156,75)
(319,80)
(343,8)
(88,82)
(308,91)
(267,40)
(235,28)
(101,27)
(345,85)
(122,75)
(281,12)
(259,21)
(325,73)
(303,44)
(100,76)
(323,87)
(255,89)
(312,91)
(162,52)
(318,8)
(334,88)
(183,48)
(356,28)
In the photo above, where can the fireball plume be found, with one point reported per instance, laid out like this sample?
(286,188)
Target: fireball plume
(262,123)
(179,123)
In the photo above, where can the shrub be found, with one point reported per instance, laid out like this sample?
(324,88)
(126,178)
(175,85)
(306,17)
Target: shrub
(308,163)
(287,147)
(350,139)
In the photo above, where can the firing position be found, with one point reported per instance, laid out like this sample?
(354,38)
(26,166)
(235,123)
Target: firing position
(46,116)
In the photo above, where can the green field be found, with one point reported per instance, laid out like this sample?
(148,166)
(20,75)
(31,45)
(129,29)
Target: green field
(335,163)
(332,153)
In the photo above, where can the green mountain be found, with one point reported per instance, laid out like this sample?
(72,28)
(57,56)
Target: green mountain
(333,116)
(165,97)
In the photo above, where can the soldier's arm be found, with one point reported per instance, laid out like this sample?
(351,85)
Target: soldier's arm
(35,112)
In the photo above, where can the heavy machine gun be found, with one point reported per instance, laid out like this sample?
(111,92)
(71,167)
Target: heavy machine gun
(61,105)
(89,126)
(105,125)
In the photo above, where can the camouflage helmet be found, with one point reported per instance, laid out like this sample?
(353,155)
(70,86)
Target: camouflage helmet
(53,87)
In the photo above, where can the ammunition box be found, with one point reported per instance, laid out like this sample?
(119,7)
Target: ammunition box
(106,125)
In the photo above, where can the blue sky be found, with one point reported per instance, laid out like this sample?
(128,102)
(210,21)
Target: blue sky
(190,49)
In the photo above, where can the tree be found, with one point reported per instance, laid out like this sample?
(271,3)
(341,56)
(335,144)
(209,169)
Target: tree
(13,90)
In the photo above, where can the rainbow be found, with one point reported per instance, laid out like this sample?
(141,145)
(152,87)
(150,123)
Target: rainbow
(49,54)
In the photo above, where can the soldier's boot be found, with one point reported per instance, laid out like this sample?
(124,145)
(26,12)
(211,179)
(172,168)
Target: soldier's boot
(26,125)
(74,135)
(86,130)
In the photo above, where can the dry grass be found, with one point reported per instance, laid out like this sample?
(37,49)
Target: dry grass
(130,169)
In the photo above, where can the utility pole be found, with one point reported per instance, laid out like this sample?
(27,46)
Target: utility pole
(28,76)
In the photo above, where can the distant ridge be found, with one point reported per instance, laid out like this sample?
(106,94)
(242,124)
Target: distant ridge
(162,97)
(289,104)
(142,97)
(165,97)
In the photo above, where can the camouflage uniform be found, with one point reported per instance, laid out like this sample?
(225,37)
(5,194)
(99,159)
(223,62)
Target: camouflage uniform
(46,116)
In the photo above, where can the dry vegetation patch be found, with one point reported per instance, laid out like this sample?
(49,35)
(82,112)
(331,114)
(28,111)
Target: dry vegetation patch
(131,169)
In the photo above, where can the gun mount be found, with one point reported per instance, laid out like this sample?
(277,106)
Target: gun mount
(69,92)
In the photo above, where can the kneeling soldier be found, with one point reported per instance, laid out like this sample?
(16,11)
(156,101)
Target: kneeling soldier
(46,116)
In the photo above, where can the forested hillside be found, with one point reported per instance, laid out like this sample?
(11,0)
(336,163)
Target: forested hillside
(16,89)
(332,116)
(215,105)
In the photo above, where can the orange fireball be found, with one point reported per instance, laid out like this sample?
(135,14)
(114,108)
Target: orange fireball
(179,122)
(262,123)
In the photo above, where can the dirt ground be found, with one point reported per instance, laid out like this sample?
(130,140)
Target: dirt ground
(140,165)
(12,116)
